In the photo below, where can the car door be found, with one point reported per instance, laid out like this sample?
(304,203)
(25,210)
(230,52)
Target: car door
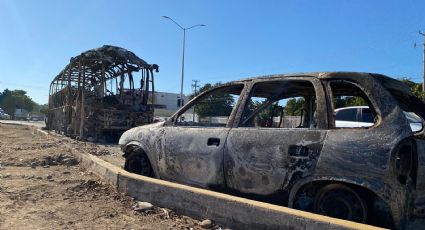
(262,157)
(192,147)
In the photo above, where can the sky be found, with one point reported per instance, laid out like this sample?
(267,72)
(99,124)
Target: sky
(241,38)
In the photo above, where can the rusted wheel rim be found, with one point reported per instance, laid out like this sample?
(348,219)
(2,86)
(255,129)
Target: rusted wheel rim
(341,202)
(138,164)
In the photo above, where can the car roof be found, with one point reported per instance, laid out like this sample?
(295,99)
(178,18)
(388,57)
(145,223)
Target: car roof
(387,82)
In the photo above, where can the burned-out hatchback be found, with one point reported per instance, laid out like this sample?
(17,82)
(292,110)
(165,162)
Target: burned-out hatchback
(275,138)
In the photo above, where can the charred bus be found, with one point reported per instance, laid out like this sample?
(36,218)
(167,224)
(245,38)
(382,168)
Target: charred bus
(101,93)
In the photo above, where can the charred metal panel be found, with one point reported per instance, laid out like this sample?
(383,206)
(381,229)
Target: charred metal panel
(101,92)
(149,139)
(367,152)
(193,155)
(263,160)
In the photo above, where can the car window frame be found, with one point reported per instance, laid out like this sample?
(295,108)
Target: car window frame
(331,111)
(172,121)
(321,101)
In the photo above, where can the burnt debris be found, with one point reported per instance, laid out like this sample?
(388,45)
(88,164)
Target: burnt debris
(101,93)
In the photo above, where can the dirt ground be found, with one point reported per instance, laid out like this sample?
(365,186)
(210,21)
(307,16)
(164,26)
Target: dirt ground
(42,187)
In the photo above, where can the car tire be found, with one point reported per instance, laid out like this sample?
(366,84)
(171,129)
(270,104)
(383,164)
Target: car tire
(340,201)
(137,162)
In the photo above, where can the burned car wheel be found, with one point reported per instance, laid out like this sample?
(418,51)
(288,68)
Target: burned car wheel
(138,163)
(340,201)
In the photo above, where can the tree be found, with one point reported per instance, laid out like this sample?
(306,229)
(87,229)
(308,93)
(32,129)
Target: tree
(40,109)
(204,88)
(294,106)
(12,100)
(43,109)
(416,88)
(346,101)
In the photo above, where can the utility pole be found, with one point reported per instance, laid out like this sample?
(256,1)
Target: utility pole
(194,88)
(181,101)
(423,60)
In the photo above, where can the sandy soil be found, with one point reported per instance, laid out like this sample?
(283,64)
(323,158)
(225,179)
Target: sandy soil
(42,187)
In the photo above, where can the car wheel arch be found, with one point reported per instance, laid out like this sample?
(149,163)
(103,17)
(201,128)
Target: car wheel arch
(372,198)
(298,186)
(375,200)
(131,146)
(409,146)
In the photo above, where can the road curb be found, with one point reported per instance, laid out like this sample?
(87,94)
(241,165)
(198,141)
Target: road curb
(230,211)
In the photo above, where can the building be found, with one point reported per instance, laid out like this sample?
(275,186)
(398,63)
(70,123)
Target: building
(166,104)
(21,114)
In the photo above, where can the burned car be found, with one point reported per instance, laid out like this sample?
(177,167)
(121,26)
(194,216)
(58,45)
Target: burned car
(274,138)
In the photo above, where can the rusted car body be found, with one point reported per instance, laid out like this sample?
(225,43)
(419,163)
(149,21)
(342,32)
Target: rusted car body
(309,167)
(101,92)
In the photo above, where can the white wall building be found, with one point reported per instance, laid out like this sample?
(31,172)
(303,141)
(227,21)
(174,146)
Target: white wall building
(21,114)
(166,103)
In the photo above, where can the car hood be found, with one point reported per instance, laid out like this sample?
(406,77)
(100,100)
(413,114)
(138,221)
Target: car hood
(132,134)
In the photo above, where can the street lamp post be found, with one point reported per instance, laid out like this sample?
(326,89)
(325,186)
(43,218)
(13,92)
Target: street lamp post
(184,43)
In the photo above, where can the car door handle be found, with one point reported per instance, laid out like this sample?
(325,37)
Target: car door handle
(298,150)
(213,141)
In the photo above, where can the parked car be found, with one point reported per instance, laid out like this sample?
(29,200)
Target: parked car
(4,116)
(361,116)
(241,142)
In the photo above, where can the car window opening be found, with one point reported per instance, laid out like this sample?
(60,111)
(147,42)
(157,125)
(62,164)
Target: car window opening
(352,108)
(212,109)
(281,104)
